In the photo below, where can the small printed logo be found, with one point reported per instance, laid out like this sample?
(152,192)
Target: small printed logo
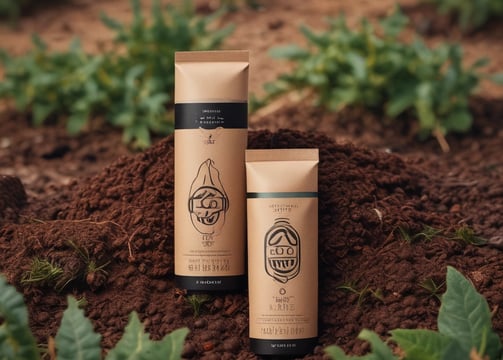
(282,251)
(209,140)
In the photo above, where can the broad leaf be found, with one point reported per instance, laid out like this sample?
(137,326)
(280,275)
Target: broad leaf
(171,346)
(76,339)
(464,315)
(380,350)
(134,344)
(421,344)
(16,339)
(459,120)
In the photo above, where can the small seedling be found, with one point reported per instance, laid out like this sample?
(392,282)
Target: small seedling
(434,289)
(467,235)
(428,233)
(92,269)
(45,273)
(362,293)
(196,300)
(464,234)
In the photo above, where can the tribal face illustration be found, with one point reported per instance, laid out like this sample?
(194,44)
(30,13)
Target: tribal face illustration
(282,251)
(208,201)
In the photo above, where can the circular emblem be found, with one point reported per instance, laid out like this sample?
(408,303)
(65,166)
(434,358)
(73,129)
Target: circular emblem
(282,251)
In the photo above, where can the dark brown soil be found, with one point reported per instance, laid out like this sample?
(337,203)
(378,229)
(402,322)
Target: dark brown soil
(73,200)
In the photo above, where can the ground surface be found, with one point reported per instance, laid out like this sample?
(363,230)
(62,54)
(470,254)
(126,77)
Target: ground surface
(90,192)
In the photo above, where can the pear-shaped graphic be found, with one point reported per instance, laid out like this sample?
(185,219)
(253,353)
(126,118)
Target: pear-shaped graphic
(208,201)
(282,251)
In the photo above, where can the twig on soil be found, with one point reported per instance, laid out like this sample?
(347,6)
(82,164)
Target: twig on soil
(444,145)
(131,256)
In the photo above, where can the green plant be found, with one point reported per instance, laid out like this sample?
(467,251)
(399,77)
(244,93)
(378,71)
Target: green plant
(426,234)
(43,272)
(464,330)
(234,5)
(434,288)
(92,269)
(196,301)
(10,9)
(468,236)
(76,338)
(471,14)
(59,274)
(129,86)
(463,233)
(344,67)
(362,293)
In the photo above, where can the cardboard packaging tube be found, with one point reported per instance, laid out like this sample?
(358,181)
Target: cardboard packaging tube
(282,212)
(211,130)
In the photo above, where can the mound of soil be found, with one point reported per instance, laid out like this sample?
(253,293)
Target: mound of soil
(121,220)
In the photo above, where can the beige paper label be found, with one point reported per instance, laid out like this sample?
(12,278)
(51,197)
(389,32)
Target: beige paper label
(210,228)
(282,207)
(211,131)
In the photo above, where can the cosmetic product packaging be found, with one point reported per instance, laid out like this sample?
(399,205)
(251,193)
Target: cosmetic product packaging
(282,212)
(211,130)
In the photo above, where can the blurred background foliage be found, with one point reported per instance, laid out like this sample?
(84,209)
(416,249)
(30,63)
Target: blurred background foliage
(131,85)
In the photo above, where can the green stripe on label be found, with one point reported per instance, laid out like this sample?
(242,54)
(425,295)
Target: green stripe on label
(276,195)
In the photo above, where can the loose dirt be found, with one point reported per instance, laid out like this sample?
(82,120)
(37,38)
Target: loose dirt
(72,200)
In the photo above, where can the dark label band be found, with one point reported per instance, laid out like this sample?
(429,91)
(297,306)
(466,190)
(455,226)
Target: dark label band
(282,347)
(211,283)
(281,195)
(211,115)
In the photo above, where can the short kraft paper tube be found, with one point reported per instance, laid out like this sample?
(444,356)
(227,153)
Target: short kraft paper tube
(282,205)
(211,129)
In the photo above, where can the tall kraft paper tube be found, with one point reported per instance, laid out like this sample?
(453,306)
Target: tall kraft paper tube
(282,205)
(211,130)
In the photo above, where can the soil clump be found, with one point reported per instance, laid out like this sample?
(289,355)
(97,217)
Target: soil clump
(371,206)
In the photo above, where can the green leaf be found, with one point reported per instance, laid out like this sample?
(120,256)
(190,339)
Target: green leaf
(291,52)
(459,120)
(395,23)
(358,66)
(171,346)
(336,353)
(421,344)
(139,134)
(380,350)
(465,315)
(16,338)
(400,102)
(496,78)
(76,122)
(134,344)
(76,339)
(41,112)
(480,63)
